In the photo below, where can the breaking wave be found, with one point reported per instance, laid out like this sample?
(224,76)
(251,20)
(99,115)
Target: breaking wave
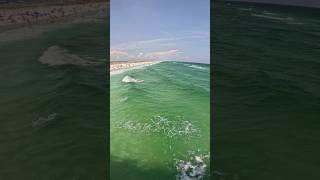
(193,167)
(129,79)
(197,67)
(123,99)
(55,56)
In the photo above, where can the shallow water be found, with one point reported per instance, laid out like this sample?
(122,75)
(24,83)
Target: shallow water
(266,83)
(160,121)
(53,116)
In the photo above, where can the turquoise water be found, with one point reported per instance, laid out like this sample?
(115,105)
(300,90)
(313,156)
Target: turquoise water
(160,121)
(53,116)
(266,82)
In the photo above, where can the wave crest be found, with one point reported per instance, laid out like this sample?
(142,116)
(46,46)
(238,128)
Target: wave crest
(197,67)
(43,121)
(129,79)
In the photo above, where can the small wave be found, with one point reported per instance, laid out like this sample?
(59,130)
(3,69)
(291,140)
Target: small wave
(295,23)
(55,55)
(129,79)
(194,168)
(245,9)
(123,99)
(197,67)
(273,17)
(170,128)
(43,121)
(269,13)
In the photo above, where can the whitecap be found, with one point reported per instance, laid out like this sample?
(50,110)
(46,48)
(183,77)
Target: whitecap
(123,99)
(43,121)
(55,56)
(192,169)
(197,67)
(129,79)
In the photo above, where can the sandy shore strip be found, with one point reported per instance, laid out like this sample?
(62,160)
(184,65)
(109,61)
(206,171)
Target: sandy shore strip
(29,20)
(117,67)
(28,14)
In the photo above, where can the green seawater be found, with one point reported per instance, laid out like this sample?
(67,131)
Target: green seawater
(160,122)
(266,99)
(53,117)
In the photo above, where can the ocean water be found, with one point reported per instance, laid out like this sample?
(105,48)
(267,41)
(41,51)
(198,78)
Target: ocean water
(53,107)
(160,122)
(266,86)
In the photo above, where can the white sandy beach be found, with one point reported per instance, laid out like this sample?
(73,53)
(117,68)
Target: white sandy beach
(47,13)
(117,67)
(21,22)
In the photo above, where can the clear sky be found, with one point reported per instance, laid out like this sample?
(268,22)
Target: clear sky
(176,30)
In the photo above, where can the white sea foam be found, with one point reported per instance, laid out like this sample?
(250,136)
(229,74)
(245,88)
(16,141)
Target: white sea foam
(123,99)
(197,67)
(273,17)
(55,55)
(178,127)
(43,121)
(192,168)
(129,79)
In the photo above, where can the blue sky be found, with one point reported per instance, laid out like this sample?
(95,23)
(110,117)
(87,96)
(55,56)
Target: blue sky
(160,30)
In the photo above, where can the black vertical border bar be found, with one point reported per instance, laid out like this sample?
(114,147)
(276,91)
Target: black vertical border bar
(108,94)
(211,89)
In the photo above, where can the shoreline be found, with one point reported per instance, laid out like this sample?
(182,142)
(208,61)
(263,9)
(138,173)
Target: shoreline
(21,30)
(34,15)
(118,67)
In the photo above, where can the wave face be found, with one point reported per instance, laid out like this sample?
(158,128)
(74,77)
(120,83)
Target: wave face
(163,119)
(266,83)
(53,109)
